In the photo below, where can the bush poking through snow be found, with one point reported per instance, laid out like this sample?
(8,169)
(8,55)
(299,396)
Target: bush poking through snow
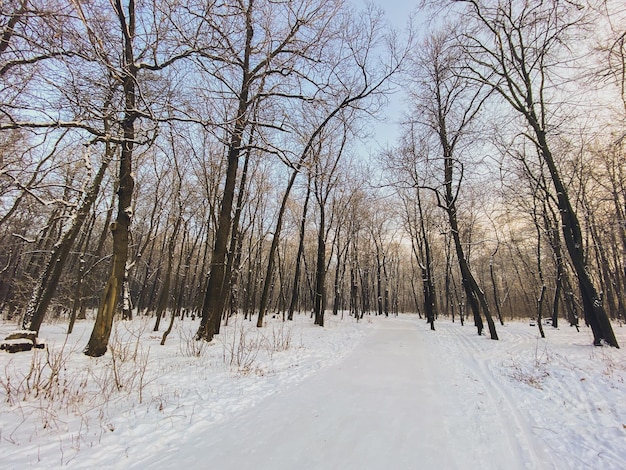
(534,372)
(613,369)
(46,378)
(50,386)
(242,343)
(281,338)
(241,347)
(129,362)
(189,346)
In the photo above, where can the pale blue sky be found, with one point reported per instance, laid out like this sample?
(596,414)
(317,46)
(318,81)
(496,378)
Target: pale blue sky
(387,133)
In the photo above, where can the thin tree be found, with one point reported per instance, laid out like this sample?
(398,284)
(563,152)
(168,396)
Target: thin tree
(48,281)
(448,106)
(99,339)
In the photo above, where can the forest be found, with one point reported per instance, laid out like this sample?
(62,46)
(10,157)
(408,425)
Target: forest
(203,160)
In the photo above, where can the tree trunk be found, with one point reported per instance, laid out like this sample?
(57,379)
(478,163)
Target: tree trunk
(606,278)
(475,296)
(177,292)
(379,281)
(269,273)
(540,310)
(496,297)
(595,315)
(77,295)
(99,339)
(340,271)
(320,271)
(296,275)
(164,296)
(430,303)
(234,253)
(558,285)
(215,298)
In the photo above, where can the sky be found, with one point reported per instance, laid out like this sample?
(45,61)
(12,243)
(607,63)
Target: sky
(386,132)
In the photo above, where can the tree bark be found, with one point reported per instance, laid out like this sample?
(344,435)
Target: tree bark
(214,299)
(99,339)
(320,271)
(296,275)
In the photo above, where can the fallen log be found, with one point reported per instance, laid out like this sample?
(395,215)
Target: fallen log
(21,340)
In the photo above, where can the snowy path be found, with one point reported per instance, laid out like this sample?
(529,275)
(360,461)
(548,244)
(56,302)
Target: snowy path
(399,400)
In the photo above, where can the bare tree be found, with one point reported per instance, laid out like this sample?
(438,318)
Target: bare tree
(326,159)
(512,47)
(326,84)
(128,74)
(409,177)
(300,251)
(274,52)
(447,105)
(47,283)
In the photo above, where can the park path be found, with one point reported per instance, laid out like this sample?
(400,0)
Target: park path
(397,401)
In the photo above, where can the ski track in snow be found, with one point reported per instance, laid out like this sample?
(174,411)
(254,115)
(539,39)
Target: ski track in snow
(564,398)
(392,395)
(496,401)
(590,404)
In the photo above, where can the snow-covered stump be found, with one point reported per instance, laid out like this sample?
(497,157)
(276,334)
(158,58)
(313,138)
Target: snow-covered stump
(21,340)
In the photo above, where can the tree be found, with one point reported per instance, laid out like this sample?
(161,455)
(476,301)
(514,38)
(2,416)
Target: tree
(325,176)
(409,177)
(273,51)
(47,283)
(446,106)
(514,48)
(298,262)
(324,53)
(96,93)
(99,339)
(128,75)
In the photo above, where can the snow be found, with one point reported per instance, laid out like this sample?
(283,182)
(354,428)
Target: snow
(381,393)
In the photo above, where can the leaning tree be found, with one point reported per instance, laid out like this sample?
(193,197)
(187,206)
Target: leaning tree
(517,49)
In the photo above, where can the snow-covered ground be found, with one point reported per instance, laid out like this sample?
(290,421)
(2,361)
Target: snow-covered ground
(383,393)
